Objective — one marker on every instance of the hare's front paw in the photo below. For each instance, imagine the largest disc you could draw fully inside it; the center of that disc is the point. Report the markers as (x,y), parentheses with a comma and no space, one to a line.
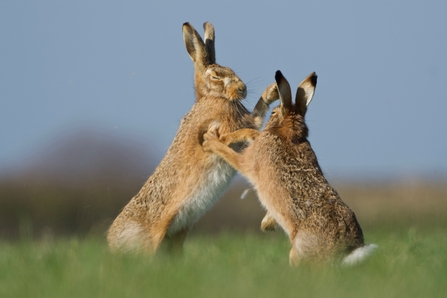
(210,138)
(268,223)
(270,94)
(226,139)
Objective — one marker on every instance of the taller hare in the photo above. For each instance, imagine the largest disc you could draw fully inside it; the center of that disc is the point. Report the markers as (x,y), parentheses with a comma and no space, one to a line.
(188,180)
(284,170)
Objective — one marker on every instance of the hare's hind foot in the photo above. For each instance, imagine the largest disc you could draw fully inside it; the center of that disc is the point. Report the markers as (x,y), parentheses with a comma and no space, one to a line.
(132,237)
(307,247)
(295,257)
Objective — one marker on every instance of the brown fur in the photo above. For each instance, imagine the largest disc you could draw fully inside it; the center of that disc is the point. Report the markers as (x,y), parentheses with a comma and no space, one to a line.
(283,168)
(189,180)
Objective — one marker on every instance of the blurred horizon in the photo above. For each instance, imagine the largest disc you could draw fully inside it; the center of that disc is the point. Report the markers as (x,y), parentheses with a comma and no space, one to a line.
(78,183)
(56,153)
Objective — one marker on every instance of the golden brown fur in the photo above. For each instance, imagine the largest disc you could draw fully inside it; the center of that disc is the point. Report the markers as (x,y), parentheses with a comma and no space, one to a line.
(189,180)
(283,168)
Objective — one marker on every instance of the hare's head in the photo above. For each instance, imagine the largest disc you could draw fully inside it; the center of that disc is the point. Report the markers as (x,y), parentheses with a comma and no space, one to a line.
(287,119)
(211,79)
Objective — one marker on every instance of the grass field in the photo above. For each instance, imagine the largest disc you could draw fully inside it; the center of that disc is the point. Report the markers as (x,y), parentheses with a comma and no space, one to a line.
(410,262)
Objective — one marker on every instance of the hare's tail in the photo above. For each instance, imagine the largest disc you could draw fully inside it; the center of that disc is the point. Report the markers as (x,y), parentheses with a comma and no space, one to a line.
(359,254)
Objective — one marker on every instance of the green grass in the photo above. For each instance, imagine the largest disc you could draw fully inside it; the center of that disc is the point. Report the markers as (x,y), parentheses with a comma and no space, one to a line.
(408,263)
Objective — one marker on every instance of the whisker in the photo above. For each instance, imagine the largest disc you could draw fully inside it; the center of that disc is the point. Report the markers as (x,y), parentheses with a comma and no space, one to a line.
(254,81)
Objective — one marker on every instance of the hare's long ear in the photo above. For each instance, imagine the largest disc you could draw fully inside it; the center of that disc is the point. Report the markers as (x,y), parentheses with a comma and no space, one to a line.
(195,47)
(305,93)
(285,94)
(209,42)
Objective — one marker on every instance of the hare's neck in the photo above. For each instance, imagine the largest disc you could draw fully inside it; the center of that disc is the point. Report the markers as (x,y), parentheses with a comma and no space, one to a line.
(204,94)
(201,93)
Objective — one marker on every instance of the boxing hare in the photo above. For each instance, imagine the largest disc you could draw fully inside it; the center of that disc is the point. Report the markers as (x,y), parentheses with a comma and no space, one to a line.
(284,170)
(189,180)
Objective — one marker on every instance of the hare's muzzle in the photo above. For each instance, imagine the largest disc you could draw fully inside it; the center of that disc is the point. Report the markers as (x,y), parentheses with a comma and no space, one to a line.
(243,91)
(240,90)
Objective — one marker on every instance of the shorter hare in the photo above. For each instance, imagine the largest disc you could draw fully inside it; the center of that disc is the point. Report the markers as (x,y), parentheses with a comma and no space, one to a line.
(284,170)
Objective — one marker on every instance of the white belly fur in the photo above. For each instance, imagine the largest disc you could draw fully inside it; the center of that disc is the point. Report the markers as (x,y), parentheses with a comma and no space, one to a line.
(206,195)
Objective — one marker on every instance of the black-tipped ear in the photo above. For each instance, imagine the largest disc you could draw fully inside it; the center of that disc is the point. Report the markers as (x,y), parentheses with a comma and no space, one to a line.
(285,94)
(305,93)
(188,37)
(209,42)
(195,46)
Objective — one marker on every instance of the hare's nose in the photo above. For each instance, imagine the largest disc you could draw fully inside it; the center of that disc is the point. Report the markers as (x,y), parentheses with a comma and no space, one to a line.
(242,90)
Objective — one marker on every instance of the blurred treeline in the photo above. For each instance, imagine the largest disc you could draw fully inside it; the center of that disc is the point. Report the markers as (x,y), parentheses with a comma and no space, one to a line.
(79,183)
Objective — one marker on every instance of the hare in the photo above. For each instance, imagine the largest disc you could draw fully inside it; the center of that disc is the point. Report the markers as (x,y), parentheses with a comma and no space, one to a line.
(188,180)
(284,170)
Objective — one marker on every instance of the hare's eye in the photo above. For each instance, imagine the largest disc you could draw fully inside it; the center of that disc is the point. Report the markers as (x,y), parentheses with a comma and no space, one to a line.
(212,74)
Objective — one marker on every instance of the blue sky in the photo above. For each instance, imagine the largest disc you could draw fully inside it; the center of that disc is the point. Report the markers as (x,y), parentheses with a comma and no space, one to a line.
(121,67)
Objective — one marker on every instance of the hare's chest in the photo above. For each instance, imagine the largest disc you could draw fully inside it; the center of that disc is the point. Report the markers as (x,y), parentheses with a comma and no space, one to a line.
(210,187)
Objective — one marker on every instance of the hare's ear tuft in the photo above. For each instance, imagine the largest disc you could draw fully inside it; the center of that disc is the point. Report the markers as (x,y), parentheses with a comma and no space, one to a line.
(195,46)
(305,93)
(209,42)
(285,94)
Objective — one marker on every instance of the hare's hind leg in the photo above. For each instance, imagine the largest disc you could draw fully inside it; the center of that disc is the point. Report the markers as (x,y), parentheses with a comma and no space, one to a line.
(305,246)
(129,236)
(299,250)
(295,257)
(159,229)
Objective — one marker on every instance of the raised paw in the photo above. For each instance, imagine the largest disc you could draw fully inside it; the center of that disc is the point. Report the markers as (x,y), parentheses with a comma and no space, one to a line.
(226,139)
(210,138)
(270,94)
